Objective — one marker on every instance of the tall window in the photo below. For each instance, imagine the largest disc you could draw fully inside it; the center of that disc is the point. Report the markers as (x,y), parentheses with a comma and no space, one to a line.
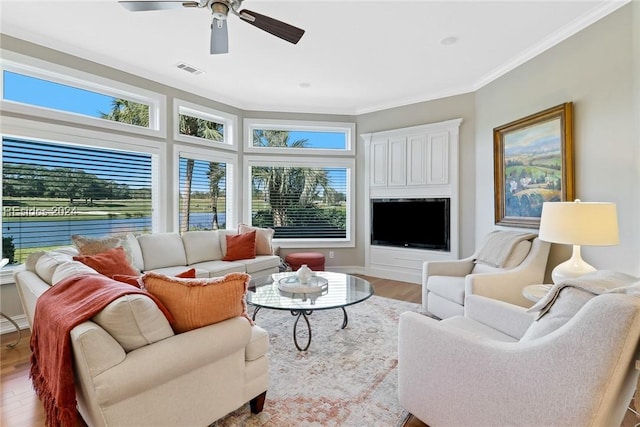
(203,195)
(54,190)
(302,181)
(300,201)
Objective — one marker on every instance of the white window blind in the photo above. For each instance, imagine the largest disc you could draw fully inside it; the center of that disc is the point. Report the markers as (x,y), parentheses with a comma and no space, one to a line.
(53,190)
(202,194)
(300,202)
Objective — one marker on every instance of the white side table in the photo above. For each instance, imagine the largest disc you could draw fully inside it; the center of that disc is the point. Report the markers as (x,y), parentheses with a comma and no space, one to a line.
(535,292)
(4,262)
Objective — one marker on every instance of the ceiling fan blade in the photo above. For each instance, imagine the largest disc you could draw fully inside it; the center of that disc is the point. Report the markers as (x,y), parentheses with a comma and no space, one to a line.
(143,6)
(270,25)
(219,36)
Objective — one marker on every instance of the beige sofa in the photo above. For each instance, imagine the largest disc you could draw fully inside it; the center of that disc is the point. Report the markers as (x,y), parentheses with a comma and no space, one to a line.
(130,367)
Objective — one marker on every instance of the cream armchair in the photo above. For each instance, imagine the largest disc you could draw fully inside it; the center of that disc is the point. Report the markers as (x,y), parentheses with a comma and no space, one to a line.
(445,284)
(473,370)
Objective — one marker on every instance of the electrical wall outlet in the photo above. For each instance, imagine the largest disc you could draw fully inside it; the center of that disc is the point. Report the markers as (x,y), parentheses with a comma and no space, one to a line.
(331,254)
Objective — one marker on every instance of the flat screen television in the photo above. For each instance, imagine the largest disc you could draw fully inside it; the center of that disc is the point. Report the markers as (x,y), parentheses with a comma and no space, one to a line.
(411,223)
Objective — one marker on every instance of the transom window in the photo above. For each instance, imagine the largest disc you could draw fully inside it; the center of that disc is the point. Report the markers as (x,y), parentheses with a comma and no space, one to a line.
(201,125)
(51,91)
(315,138)
(48,94)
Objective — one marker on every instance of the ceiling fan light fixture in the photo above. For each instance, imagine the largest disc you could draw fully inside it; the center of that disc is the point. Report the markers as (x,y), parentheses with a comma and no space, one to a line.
(219,11)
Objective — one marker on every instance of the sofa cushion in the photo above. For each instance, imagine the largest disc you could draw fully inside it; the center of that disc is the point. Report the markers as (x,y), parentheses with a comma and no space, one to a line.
(259,263)
(477,328)
(114,261)
(202,246)
(71,268)
(48,262)
(220,268)
(134,321)
(162,250)
(264,237)
(199,302)
(240,246)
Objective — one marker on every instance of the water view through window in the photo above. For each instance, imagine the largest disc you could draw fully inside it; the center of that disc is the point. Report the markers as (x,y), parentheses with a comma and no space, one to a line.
(52,191)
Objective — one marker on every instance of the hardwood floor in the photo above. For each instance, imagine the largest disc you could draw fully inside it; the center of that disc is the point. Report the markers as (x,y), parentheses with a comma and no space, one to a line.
(20,407)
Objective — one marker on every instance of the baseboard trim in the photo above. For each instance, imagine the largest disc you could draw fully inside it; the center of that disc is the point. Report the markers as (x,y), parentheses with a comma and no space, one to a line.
(6,326)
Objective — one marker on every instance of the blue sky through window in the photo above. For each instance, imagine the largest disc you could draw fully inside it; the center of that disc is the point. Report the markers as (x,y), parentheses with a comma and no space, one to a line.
(320,139)
(43,93)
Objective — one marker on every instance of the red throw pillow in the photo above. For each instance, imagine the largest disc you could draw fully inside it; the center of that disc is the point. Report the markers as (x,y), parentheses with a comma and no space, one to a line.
(135,280)
(240,246)
(111,262)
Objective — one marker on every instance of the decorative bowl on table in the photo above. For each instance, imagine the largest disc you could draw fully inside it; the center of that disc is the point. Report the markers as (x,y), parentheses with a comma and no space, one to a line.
(292,284)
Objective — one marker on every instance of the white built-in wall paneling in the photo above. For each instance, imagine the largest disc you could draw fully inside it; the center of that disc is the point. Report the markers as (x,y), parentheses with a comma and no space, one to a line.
(416,162)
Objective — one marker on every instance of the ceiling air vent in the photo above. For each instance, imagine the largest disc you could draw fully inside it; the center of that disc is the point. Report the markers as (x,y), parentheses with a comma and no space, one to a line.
(189,68)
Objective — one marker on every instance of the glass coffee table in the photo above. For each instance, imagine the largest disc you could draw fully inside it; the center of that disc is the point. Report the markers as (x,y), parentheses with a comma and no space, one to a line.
(338,290)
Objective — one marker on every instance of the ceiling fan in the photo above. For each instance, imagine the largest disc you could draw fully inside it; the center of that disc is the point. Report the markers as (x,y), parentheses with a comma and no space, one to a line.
(220,10)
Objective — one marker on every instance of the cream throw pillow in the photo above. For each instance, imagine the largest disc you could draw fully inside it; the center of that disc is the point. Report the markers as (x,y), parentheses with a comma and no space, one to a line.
(264,237)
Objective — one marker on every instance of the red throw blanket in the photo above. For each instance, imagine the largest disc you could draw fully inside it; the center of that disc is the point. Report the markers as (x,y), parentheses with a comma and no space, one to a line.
(58,310)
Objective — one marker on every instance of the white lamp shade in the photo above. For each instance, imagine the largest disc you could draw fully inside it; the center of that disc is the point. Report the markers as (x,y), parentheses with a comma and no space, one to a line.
(579,223)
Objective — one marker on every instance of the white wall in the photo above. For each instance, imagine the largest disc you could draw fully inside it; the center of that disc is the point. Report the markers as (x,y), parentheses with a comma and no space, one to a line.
(598,70)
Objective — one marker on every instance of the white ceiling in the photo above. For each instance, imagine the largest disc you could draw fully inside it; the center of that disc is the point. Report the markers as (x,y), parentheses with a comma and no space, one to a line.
(356,56)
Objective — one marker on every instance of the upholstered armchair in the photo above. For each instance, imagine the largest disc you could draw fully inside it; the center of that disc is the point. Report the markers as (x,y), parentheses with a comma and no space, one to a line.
(500,269)
(497,365)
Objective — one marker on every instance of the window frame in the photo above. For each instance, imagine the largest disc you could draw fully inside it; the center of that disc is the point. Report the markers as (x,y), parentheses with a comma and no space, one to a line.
(39,69)
(20,128)
(251,161)
(229,121)
(208,155)
(251,124)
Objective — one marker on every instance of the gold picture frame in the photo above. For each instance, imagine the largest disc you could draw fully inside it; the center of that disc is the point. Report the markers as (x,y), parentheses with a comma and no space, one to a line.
(533,164)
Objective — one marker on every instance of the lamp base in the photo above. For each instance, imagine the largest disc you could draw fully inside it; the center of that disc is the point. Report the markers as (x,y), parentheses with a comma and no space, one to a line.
(571,268)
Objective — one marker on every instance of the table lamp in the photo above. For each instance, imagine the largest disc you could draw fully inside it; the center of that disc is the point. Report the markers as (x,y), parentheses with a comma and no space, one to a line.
(578,223)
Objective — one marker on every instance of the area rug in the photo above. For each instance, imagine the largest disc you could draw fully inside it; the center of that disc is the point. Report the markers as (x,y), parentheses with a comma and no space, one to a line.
(347,377)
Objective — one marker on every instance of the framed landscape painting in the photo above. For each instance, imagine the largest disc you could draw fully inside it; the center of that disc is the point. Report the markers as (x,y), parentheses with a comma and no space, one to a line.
(533,164)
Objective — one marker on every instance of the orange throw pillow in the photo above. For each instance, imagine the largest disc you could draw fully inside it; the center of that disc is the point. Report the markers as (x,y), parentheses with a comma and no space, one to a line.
(135,280)
(109,263)
(240,246)
(195,303)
